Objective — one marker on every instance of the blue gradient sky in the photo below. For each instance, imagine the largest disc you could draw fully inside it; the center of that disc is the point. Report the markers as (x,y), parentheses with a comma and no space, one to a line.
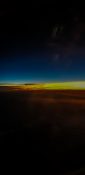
(40,68)
(44,43)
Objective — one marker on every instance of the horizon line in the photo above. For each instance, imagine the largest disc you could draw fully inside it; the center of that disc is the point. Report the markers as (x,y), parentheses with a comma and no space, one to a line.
(46,82)
(47,85)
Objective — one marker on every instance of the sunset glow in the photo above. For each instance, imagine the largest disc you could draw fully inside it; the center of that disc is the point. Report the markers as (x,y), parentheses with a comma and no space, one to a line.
(53,86)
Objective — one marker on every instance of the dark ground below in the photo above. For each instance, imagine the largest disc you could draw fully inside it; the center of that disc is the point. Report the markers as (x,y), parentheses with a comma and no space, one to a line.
(46,127)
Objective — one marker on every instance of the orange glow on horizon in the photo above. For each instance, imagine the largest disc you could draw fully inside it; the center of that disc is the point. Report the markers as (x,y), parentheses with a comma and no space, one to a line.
(54,86)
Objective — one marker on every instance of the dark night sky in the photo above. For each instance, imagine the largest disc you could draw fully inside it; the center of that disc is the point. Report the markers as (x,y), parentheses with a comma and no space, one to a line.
(42,42)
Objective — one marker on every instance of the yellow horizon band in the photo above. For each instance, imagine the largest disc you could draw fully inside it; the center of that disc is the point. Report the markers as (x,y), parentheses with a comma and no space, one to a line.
(54,86)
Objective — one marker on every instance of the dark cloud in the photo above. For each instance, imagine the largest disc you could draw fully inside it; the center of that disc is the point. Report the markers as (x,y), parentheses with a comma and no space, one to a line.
(67,40)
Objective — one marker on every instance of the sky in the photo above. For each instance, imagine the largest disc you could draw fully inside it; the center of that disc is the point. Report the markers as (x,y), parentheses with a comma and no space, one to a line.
(42,42)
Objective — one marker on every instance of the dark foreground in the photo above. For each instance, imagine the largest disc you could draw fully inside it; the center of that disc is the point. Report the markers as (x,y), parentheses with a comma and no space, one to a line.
(46,127)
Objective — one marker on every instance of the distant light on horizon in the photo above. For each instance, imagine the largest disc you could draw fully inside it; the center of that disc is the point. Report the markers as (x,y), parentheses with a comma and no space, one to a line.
(49,85)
